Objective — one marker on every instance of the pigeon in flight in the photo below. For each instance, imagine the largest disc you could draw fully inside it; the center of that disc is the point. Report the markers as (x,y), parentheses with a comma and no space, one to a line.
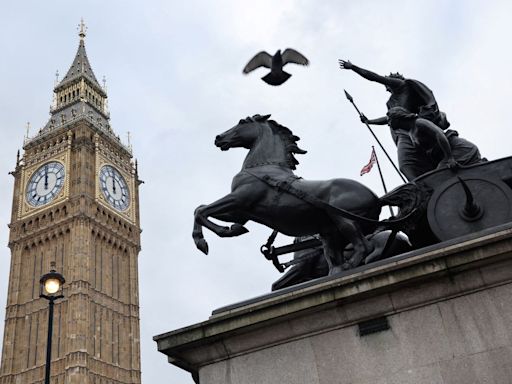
(276,76)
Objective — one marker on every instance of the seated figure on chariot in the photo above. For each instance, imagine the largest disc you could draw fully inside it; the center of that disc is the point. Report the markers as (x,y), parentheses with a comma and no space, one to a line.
(424,121)
(433,148)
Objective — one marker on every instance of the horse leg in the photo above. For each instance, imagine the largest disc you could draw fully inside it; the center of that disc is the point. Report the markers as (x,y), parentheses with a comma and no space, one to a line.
(332,252)
(197,235)
(221,207)
(362,247)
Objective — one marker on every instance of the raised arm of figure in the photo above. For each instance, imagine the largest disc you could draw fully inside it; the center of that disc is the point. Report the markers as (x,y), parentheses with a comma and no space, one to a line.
(369,75)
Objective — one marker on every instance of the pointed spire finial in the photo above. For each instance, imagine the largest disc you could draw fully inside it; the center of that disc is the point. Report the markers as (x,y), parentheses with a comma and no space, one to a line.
(57,77)
(104,80)
(129,139)
(18,158)
(28,129)
(83,29)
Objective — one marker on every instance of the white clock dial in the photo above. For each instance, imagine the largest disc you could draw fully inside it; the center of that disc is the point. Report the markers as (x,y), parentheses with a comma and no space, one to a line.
(45,183)
(114,188)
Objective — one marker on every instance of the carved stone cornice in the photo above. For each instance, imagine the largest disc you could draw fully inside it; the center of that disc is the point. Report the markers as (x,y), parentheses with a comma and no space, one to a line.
(120,229)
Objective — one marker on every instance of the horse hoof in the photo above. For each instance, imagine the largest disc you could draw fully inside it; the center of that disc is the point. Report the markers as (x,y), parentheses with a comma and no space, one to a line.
(335,270)
(202,245)
(237,230)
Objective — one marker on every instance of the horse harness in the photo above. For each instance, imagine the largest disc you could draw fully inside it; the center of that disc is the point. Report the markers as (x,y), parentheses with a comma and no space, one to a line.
(286,185)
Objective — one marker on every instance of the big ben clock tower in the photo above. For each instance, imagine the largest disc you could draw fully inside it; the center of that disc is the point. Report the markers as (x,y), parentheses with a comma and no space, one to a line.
(75,206)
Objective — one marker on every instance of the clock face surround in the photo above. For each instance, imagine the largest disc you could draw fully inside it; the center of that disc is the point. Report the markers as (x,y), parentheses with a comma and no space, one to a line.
(45,183)
(114,188)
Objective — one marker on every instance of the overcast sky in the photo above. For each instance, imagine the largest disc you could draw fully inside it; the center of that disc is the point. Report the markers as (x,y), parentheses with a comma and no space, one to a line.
(174,77)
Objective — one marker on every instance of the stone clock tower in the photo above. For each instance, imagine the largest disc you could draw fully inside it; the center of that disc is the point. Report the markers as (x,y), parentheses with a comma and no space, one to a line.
(75,204)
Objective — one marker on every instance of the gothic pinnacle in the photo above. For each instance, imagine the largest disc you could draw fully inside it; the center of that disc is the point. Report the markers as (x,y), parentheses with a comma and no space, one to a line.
(83,29)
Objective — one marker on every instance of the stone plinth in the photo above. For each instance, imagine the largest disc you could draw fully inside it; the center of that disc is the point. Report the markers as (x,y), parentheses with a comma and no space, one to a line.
(440,315)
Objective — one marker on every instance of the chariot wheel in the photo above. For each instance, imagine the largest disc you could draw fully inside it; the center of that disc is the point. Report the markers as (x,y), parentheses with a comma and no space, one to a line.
(462,206)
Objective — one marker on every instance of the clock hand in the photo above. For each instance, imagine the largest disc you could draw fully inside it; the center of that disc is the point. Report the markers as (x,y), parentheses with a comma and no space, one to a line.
(113,185)
(46,177)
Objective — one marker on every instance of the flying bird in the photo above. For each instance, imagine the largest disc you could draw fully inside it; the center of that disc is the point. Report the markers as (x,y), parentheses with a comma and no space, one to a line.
(276,76)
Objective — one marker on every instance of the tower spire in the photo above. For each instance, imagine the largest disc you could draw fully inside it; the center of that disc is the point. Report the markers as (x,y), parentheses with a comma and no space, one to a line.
(82,30)
(80,68)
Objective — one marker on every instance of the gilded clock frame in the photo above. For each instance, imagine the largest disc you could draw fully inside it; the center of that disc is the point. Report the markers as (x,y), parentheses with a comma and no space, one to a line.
(129,212)
(24,208)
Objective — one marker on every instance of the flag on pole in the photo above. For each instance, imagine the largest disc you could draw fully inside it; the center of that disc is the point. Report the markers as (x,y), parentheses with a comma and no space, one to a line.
(368,167)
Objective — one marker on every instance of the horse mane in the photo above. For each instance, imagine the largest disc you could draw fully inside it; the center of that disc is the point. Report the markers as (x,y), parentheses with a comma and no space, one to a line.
(289,139)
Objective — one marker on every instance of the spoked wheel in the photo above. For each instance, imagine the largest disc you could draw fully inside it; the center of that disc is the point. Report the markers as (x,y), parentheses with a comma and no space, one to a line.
(462,206)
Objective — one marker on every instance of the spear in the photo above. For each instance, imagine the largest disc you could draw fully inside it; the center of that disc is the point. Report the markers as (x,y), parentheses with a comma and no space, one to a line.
(350,98)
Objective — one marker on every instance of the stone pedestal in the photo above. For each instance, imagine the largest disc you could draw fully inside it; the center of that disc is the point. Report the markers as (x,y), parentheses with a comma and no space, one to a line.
(440,315)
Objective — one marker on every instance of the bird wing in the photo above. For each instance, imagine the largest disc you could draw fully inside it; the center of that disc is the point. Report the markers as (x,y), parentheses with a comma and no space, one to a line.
(261,59)
(292,56)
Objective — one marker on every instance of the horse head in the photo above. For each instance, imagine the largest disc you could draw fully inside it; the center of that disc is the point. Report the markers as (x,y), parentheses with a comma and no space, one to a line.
(242,135)
(269,142)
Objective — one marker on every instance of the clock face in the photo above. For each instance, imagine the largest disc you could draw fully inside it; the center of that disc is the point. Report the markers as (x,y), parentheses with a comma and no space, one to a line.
(45,184)
(114,188)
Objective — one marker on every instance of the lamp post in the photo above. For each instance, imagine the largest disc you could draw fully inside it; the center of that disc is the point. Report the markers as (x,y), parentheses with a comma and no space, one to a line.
(50,288)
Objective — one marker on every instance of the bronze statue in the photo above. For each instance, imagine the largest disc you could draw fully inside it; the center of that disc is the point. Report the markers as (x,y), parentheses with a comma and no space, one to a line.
(415,120)
(343,214)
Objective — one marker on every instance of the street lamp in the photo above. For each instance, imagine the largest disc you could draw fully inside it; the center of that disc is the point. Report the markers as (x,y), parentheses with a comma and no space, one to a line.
(50,288)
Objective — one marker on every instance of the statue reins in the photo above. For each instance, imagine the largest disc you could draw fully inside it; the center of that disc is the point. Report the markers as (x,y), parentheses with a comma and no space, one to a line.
(287,186)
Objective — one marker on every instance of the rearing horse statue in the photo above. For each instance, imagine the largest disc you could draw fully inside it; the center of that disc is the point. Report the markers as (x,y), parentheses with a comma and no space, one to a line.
(268,192)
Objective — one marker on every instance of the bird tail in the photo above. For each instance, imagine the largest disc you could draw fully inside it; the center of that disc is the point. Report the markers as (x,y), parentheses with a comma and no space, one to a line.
(276,78)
